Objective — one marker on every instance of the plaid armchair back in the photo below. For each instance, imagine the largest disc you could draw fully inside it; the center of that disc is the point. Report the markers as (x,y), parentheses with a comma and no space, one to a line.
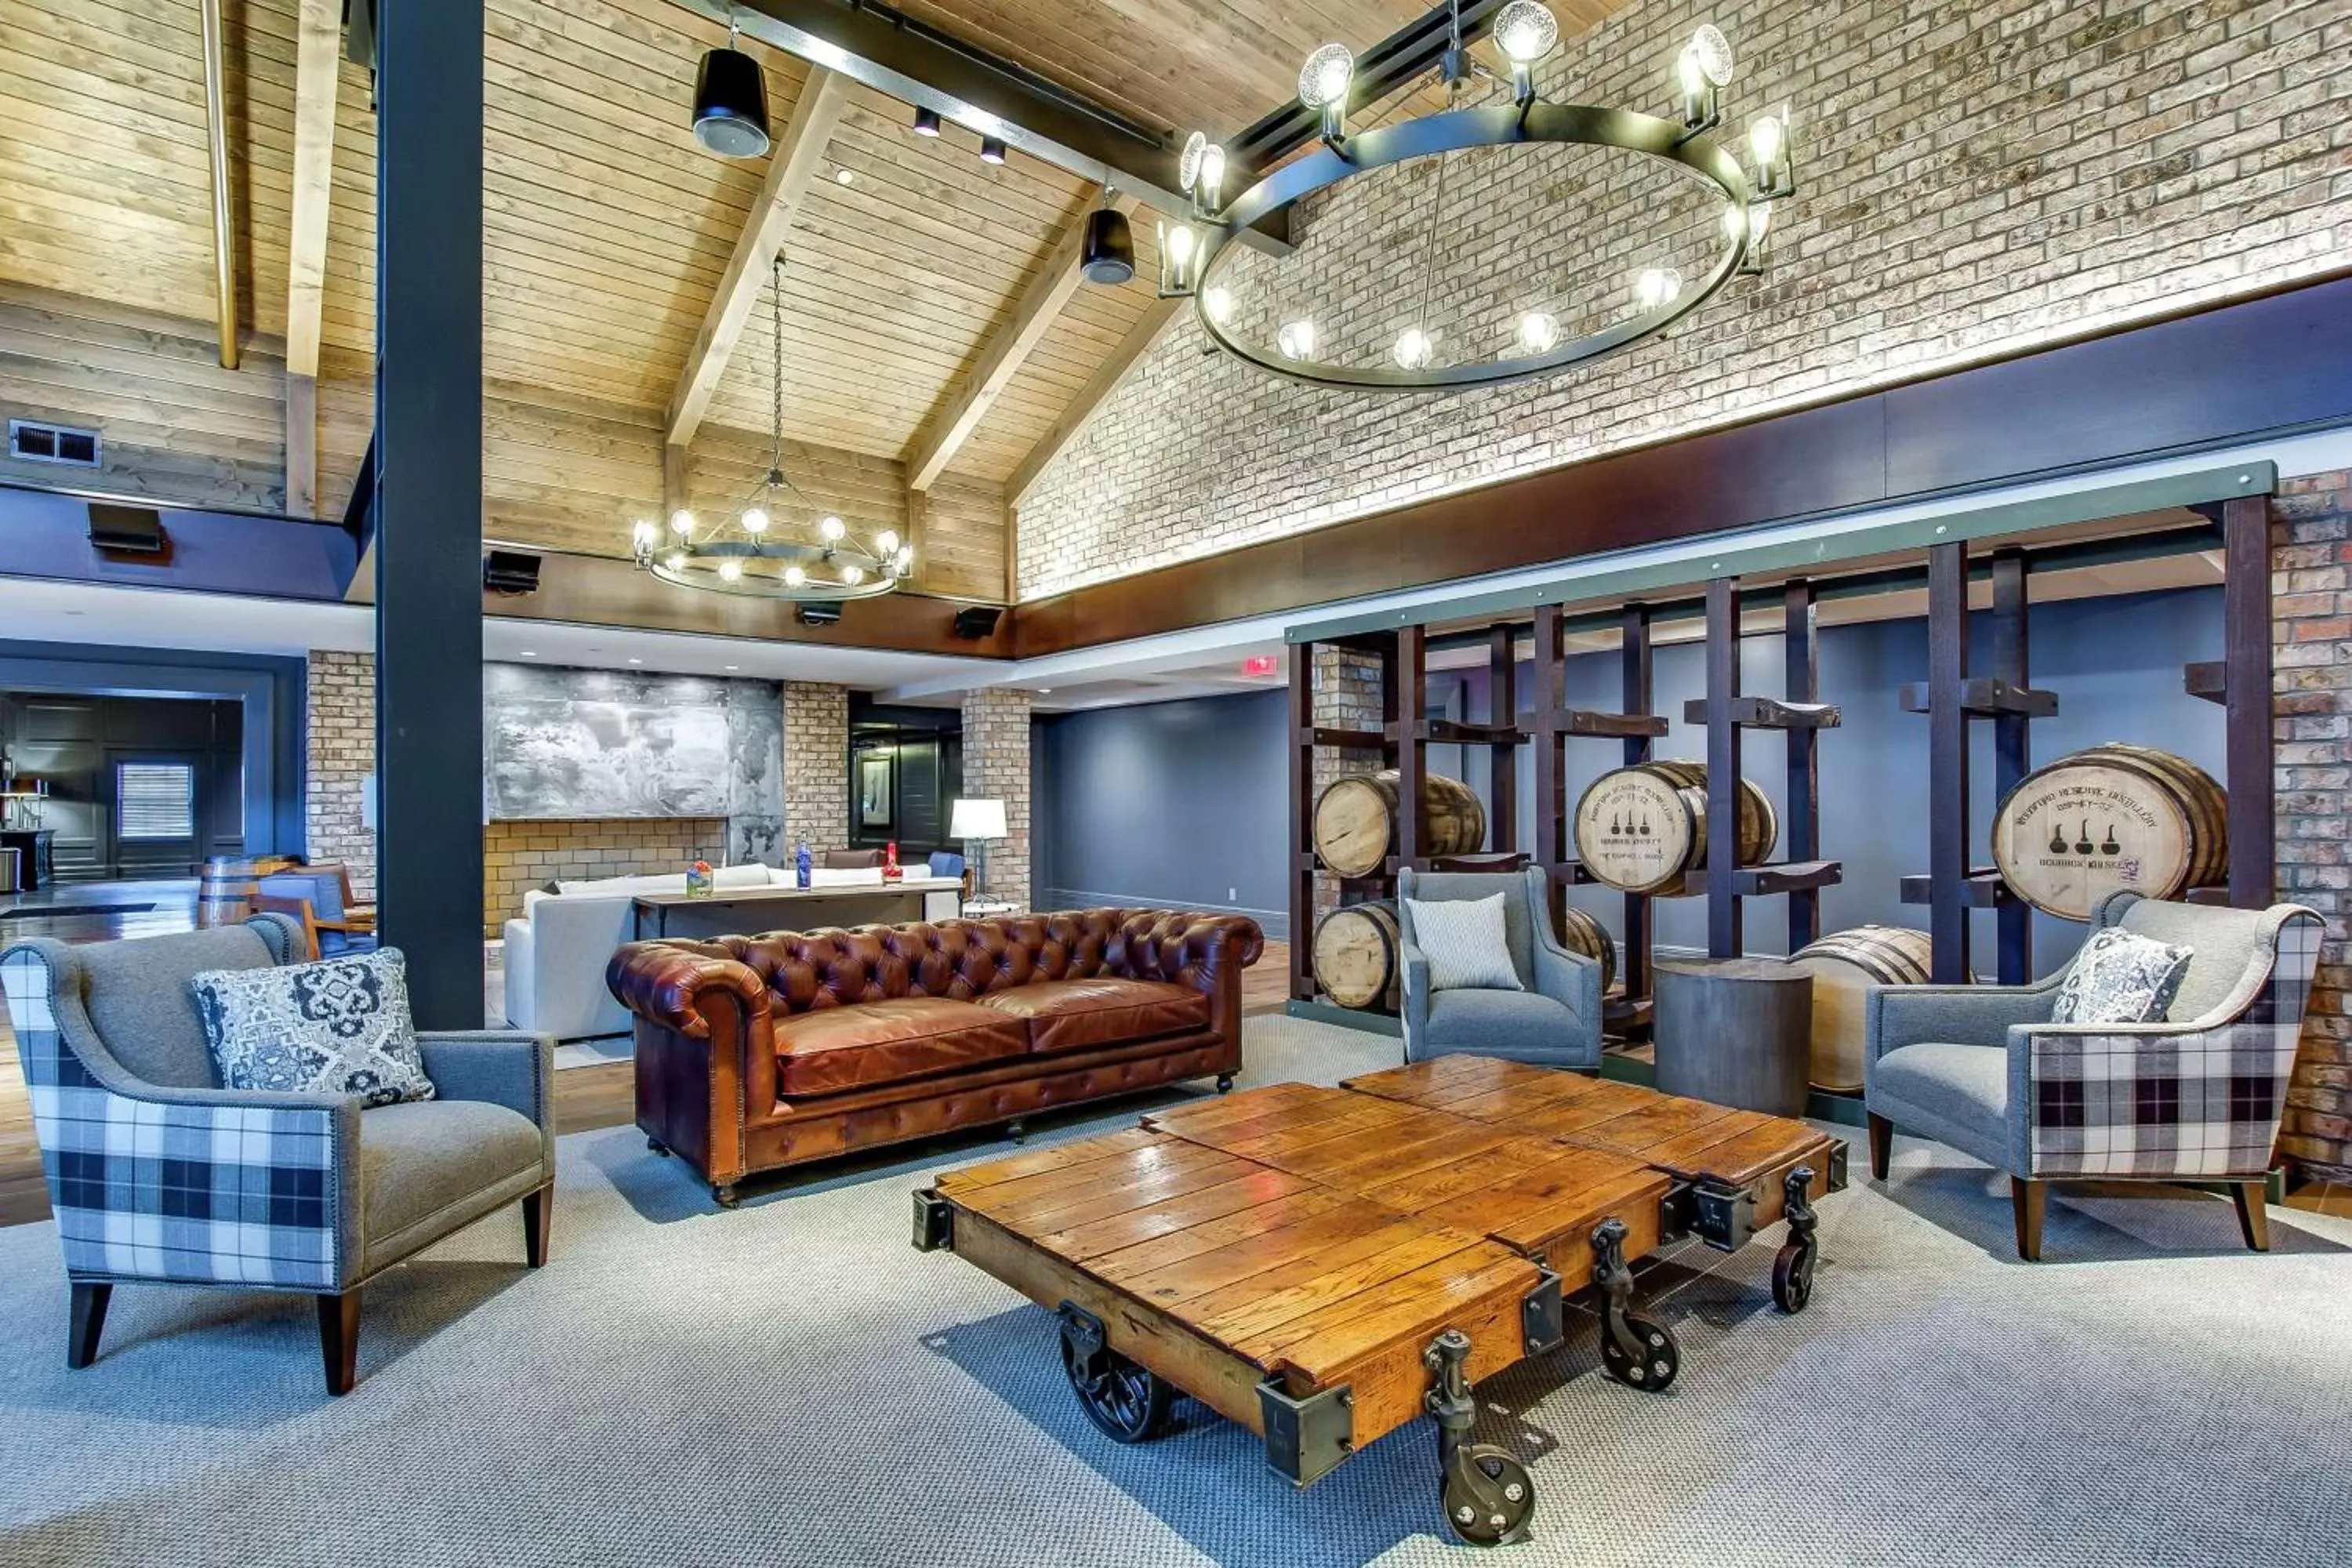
(199,1186)
(2150,1102)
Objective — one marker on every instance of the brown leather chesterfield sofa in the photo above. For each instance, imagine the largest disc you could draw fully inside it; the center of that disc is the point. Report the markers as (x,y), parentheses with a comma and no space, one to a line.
(758,1052)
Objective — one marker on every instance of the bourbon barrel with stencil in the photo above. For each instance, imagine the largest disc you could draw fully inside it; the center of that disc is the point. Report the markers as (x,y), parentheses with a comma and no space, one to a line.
(1580,932)
(2110,818)
(1644,829)
(1844,966)
(1355,820)
(1356,953)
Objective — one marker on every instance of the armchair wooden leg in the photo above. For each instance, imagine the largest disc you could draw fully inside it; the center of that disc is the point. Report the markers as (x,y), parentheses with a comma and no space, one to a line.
(1881,1145)
(538,1215)
(339,1339)
(88,1321)
(2253,1213)
(2027,1201)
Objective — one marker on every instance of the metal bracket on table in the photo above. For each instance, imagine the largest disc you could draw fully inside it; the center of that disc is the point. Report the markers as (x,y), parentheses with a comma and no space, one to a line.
(1542,1320)
(1307,1438)
(934,1221)
(1723,1216)
(1837,1162)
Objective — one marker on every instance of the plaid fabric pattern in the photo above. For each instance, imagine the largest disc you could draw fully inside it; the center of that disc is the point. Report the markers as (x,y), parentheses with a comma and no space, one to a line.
(153,1190)
(2203,1103)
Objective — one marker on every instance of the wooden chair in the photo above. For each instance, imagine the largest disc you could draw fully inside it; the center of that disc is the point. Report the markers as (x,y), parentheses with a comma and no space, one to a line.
(312,897)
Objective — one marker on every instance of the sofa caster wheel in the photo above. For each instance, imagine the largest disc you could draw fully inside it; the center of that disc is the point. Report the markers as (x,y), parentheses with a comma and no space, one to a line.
(725,1196)
(1017,1130)
(1224,1083)
(657,1146)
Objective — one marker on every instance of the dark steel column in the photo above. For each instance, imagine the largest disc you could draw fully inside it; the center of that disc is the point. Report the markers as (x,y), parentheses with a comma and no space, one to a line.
(1801,642)
(429,542)
(1725,930)
(1948,762)
(2246,639)
(2012,745)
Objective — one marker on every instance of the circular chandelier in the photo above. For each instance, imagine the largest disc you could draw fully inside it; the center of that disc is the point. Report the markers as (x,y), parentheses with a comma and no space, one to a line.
(746,553)
(1194,255)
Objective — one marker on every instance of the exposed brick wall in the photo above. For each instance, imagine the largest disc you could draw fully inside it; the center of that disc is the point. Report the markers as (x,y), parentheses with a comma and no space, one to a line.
(2311,608)
(996,767)
(1974,181)
(340,753)
(1347,695)
(519,856)
(816,767)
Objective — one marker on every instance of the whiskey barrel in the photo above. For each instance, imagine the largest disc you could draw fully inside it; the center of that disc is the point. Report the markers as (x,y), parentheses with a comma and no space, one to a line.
(1580,932)
(1355,820)
(1844,966)
(1644,828)
(225,889)
(1356,949)
(2109,817)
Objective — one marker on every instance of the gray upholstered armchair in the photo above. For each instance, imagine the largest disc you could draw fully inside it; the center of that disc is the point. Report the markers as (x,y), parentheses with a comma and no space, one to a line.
(2197,1098)
(157,1173)
(1555,1021)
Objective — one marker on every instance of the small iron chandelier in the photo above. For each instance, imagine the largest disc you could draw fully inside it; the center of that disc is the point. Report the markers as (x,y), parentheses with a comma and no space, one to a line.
(1531,341)
(743,553)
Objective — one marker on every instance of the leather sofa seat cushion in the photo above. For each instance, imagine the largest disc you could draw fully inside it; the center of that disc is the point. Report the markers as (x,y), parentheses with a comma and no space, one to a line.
(1078,1015)
(833,1050)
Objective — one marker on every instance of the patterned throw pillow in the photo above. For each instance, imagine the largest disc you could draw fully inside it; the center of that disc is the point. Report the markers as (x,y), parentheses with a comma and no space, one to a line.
(2120,978)
(1463,940)
(341,1026)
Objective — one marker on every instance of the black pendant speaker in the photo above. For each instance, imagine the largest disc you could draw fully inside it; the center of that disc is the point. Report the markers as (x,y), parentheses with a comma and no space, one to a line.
(1109,254)
(730,105)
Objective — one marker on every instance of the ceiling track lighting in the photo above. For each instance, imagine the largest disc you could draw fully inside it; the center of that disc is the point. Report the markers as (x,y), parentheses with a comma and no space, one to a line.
(926,121)
(991,150)
(1106,254)
(731,102)
(1531,339)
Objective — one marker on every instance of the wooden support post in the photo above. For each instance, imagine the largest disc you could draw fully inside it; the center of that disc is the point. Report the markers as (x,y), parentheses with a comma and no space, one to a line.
(2246,682)
(2013,750)
(1637,693)
(1502,758)
(1803,682)
(1407,700)
(1726,935)
(1947,764)
(1550,848)
(1302,821)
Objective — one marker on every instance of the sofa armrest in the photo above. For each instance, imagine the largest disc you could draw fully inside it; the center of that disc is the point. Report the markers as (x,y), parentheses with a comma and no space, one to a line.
(503,1066)
(1413,967)
(1898,1015)
(676,985)
(1568,978)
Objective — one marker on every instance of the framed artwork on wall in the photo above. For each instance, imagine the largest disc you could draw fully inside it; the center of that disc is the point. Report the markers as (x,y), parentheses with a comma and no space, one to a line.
(874,789)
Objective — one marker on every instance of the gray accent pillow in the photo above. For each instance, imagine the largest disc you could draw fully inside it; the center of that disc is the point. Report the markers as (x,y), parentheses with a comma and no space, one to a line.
(339,1026)
(1465,942)
(2120,978)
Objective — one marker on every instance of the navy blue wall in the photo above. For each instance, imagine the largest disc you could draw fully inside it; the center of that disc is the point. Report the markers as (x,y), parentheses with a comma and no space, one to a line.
(1179,802)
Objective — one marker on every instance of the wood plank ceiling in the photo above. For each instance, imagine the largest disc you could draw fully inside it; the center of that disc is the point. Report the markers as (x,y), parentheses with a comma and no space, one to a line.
(608,231)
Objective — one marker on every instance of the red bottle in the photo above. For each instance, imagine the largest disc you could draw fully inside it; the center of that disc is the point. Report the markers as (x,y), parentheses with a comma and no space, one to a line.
(891,870)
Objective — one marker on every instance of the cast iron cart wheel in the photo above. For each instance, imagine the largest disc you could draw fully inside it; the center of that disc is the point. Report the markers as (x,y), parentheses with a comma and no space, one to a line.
(1660,1359)
(1792,1277)
(1489,1497)
(1127,1401)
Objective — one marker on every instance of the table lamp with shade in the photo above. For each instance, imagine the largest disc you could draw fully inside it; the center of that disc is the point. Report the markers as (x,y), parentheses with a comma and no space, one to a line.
(976,821)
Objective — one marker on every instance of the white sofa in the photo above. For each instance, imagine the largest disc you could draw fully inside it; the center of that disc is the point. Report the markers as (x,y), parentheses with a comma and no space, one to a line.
(556,953)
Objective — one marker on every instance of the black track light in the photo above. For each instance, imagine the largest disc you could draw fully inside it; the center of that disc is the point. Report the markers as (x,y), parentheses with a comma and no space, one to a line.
(926,121)
(731,104)
(991,150)
(1107,256)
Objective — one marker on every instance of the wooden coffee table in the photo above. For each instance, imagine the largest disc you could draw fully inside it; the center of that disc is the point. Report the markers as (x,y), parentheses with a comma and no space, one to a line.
(1324,1265)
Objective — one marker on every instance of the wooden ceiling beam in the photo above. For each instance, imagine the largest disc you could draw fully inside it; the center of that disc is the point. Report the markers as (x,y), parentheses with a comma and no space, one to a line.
(318,51)
(1001,356)
(1107,378)
(793,165)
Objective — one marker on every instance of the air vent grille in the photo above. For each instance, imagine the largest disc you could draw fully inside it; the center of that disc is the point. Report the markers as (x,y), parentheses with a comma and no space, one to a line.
(43,443)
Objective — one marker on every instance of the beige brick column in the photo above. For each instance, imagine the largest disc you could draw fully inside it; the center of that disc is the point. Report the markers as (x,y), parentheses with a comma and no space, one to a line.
(996,767)
(1347,696)
(339,749)
(816,767)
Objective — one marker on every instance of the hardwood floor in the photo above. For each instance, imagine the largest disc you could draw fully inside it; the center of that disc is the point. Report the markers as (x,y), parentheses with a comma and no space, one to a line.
(585,1097)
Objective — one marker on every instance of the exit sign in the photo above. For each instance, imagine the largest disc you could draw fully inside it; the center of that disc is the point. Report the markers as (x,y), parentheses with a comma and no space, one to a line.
(1259,664)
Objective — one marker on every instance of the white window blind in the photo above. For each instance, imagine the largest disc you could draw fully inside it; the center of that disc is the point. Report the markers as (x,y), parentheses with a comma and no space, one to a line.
(155,800)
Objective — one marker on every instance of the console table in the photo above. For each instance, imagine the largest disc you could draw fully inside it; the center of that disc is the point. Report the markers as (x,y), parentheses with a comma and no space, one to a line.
(37,866)
(741,911)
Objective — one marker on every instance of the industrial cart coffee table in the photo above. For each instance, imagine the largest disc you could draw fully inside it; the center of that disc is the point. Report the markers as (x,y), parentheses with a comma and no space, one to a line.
(1324,1265)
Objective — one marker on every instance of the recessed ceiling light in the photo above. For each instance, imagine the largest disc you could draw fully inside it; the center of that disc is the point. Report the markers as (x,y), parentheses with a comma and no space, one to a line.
(528,654)
(636,661)
(1044,691)
(734,667)
(844,177)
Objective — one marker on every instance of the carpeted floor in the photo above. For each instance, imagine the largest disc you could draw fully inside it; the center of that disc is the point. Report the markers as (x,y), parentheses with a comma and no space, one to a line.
(792,1385)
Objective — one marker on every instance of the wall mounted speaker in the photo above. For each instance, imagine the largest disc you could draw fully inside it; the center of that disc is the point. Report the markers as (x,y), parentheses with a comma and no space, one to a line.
(133,531)
(511,572)
(820,612)
(978,622)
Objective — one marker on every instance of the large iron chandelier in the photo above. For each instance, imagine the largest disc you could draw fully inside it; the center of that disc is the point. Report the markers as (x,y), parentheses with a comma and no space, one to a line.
(744,552)
(1194,255)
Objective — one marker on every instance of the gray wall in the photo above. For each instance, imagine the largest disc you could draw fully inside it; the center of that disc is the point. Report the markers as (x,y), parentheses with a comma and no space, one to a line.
(1180,802)
(1166,803)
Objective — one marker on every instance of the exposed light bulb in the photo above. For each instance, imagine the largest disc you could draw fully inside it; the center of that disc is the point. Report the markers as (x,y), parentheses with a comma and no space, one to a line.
(906,556)
(675,562)
(844,177)
(1539,332)
(1181,241)
(1297,339)
(1712,51)
(1414,349)
(794,576)
(1213,171)
(1219,302)
(1658,286)
(1689,74)
(642,534)
(1325,77)
(681,521)
(755,521)
(1734,224)
(1759,218)
(832,527)
(730,570)
(1765,138)
(1525,31)
(853,575)
(887,540)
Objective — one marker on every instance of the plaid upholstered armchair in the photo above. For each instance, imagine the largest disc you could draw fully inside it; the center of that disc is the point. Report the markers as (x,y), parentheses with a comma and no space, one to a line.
(2196,1099)
(157,1174)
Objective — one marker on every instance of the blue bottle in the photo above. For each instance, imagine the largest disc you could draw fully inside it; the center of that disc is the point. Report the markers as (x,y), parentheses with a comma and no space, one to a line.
(801,863)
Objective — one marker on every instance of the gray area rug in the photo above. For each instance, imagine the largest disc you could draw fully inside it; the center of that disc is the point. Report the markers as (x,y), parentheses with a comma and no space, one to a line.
(791,1383)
